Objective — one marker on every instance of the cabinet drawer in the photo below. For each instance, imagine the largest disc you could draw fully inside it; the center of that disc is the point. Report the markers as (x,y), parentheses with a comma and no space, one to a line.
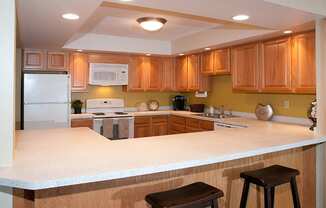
(192,123)
(207,125)
(159,119)
(75,123)
(143,120)
(178,120)
(177,127)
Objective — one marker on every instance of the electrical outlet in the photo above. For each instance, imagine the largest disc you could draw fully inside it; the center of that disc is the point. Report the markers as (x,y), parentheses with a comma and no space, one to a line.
(286,104)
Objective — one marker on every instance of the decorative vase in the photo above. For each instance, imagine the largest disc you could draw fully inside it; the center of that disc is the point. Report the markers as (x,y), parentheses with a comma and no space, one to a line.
(312,114)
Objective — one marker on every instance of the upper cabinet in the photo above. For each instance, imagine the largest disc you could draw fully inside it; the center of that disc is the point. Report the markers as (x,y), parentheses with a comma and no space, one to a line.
(181,73)
(193,72)
(276,65)
(79,72)
(137,70)
(188,76)
(34,59)
(168,74)
(284,65)
(303,63)
(154,74)
(57,60)
(216,62)
(245,74)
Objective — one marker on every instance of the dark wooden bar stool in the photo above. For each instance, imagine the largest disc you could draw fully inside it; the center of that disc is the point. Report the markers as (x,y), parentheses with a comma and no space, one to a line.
(196,195)
(269,178)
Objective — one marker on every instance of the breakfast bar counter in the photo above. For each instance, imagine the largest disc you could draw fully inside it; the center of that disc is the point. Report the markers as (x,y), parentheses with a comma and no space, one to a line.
(79,168)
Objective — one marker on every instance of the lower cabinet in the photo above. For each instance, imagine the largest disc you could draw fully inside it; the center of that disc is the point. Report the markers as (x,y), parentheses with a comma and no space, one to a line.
(75,123)
(146,126)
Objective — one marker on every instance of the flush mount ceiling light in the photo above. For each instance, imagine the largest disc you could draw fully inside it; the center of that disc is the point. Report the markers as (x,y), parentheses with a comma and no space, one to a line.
(240,17)
(151,23)
(70,16)
(287,31)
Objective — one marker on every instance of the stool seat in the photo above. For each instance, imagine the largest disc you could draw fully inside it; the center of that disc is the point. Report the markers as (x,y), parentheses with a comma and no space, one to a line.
(199,194)
(271,176)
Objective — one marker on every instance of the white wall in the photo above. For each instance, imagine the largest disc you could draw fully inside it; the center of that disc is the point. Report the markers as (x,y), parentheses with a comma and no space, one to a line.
(321,100)
(7,90)
(119,44)
(312,6)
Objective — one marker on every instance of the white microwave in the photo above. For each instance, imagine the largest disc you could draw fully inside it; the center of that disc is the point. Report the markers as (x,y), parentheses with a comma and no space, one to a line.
(108,74)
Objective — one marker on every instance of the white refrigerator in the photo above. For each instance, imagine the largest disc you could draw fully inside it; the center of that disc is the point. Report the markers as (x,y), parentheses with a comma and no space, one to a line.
(46,100)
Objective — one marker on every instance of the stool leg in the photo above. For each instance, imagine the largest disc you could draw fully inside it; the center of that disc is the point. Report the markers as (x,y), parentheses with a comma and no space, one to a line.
(215,203)
(273,196)
(295,194)
(268,197)
(244,196)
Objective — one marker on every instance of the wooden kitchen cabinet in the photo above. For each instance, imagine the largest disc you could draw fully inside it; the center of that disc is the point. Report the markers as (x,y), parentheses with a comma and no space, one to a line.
(276,65)
(222,61)
(75,123)
(154,73)
(79,68)
(34,59)
(159,125)
(168,74)
(216,62)
(143,127)
(193,72)
(136,74)
(181,73)
(177,125)
(245,65)
(57,60)
(303,63)
(146,126)
(207,63)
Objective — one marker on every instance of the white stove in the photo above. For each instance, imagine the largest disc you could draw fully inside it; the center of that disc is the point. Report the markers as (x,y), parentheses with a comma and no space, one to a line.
(112,110)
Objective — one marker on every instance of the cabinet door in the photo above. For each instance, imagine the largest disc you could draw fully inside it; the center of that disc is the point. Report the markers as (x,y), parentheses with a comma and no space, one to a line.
(245,67)
(75,123)
(276,65)
(33,59)
(159,129)
(207,60)
(79,72)
(154,73)
(303,63)
(168,75)
(193,73)
(57,61)
(137,67)
(222,61)
(142,127)
(181,73)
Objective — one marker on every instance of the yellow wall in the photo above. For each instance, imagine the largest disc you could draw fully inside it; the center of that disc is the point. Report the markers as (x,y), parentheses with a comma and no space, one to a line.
(131,98)
(222,95)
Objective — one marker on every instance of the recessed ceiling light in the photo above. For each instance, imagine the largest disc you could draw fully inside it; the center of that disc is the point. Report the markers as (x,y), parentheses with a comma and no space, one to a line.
(148,54)
(240,17)
(151,23)
(80,50)
(287,31)
(207,49)
(70,16)
(181,54)
(126,0)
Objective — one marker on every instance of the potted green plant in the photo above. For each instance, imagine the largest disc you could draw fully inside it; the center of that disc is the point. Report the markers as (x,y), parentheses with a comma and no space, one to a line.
(77,106)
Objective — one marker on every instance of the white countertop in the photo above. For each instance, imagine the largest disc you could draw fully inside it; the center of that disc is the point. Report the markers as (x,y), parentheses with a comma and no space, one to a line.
(62,157)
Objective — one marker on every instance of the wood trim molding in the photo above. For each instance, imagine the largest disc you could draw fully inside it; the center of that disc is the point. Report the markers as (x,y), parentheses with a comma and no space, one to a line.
(228,24)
